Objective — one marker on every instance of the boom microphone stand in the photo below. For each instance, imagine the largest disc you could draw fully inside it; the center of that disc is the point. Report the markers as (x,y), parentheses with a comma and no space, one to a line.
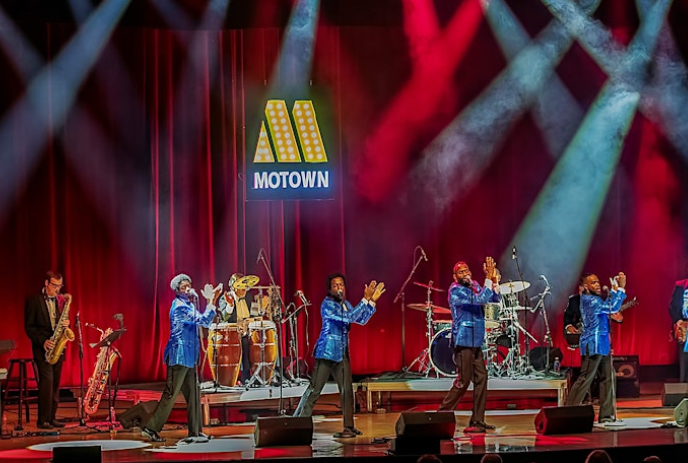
(401,295)
(514,257)
(82,418)
(277,314)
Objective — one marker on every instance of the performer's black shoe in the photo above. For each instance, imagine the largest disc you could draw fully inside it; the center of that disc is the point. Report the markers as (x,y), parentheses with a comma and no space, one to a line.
(151,435)
(345,434)
(482,424)
(607,419)
(57,424)
(354,430)
(44,425)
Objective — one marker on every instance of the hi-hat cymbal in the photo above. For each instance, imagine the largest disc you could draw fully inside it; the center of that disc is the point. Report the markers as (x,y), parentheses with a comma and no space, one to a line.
(430,286)
(424,306)
(246,282)
(513,286)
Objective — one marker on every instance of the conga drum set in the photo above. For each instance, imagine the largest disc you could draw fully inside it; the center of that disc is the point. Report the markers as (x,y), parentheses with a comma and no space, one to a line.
(502,349)
(225,349)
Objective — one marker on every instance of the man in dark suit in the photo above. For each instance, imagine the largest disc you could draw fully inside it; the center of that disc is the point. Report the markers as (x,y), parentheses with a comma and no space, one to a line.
(41,314)
(679,321)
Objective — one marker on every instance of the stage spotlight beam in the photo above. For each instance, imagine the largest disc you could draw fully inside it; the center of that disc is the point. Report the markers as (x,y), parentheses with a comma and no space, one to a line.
(43,109)
(557,232)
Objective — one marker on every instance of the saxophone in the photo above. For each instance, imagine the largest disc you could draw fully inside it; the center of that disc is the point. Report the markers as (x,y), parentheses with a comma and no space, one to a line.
(98,381)
(61,334)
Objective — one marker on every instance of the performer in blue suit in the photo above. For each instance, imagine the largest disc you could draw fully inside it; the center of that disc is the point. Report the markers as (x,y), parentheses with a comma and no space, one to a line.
(595,343)
(332,347)
(181,354)
(466,299)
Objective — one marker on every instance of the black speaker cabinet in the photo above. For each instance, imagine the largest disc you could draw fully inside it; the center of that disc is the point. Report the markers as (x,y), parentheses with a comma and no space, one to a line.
(681,413)
(138,415)
(565,420)
(275,431)
(421,432)
(82,454)
(435,425)
(538,357)
(674,393)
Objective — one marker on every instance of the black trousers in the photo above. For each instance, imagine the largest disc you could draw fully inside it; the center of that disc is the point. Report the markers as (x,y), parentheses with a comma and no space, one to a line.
(682,364)
(590,365)
(48,386)
(179,379)
(470,366)
(341,371)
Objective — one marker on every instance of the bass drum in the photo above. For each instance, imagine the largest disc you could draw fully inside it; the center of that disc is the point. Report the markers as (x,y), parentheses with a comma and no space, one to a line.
(442,353)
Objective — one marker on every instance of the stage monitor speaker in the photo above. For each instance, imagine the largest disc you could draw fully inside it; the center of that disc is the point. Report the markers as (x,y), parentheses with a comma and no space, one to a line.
(436,425)
(138,415)
(538,357)
(275,431)
(674,393)
(565,420)
(681,413)
(82,454)
(421,432)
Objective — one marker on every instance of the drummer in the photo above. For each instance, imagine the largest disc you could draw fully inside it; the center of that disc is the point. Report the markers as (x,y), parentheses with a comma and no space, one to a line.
(232,308)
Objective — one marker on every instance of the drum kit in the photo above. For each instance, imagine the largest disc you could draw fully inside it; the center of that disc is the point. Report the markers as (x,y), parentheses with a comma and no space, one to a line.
(224,339)
(502,349)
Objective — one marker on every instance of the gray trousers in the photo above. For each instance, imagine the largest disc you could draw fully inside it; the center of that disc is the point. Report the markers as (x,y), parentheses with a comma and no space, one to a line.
(179,378)
(341,371)
(602,365)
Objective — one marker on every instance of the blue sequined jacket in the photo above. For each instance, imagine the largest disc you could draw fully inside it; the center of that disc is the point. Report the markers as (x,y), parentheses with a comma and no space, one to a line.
(468,315)
(184,345)
(685,312)
(594,310)
(336,321)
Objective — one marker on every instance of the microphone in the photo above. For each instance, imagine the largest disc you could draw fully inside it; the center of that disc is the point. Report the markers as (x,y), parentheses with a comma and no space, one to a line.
(91,325)
(302,296)
(260,254)
(513,253)
(422,252)
(340,293)
(192,293)
(544,278)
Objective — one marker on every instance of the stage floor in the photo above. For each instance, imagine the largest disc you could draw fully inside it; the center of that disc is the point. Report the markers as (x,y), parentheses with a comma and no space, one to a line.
(515,439)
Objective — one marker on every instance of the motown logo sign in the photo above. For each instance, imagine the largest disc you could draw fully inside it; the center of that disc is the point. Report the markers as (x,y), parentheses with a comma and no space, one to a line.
(290,161)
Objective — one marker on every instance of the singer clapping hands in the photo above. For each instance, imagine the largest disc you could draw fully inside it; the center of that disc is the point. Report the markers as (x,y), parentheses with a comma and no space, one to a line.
(491,272)
(373,291)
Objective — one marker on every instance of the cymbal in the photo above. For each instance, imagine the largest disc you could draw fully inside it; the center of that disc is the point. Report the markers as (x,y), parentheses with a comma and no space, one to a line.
(246,282)
(430,287)
(513,286)
(425,307)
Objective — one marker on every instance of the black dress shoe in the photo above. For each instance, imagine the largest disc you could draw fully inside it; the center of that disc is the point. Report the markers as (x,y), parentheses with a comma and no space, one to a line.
(151,435)
(345,434)
(57,424)
(354,430)
(44,425)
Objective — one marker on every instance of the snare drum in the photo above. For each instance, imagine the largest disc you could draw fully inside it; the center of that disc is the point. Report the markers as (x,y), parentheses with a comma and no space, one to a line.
(224,352)
(263,348)
(492,314)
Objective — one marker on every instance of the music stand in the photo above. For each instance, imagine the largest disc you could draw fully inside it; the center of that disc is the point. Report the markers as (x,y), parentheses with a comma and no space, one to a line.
(107,342)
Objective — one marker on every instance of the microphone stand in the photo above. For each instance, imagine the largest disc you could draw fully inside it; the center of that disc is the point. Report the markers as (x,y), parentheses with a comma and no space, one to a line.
(548,333)
(82,419)
(525,314)
(401,295)
(277,314)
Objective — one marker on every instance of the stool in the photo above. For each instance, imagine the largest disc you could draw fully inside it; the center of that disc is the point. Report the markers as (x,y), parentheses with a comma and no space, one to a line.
(18,373)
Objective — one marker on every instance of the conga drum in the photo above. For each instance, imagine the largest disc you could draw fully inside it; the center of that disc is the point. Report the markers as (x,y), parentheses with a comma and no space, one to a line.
(263,353)
(224,352)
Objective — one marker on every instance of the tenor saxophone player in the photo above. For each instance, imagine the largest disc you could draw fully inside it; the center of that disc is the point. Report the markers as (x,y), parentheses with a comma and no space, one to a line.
(41,318)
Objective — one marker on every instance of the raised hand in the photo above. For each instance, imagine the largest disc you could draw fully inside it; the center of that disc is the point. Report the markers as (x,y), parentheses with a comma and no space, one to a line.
(490,269)
(211,294)
(379,289)
(621,279)
(371,292)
